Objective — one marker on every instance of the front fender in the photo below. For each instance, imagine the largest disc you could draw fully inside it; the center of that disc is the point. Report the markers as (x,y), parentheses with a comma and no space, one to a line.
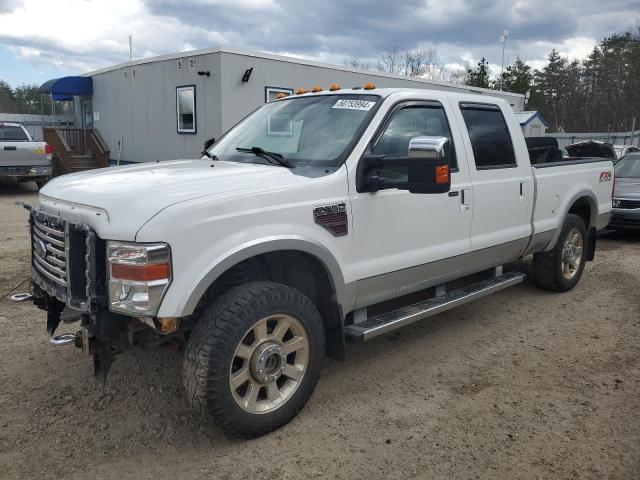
(345,293)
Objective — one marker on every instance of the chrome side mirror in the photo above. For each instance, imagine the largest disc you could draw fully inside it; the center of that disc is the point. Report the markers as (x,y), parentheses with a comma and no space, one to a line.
(429,147)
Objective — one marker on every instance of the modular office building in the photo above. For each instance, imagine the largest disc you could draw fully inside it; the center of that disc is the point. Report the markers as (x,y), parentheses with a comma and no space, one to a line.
(166,107)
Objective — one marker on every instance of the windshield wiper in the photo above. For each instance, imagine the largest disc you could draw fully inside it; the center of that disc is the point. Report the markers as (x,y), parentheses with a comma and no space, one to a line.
(272,157)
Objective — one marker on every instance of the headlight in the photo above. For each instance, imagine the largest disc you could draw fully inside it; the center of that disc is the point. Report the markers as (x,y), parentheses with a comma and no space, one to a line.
(139,275)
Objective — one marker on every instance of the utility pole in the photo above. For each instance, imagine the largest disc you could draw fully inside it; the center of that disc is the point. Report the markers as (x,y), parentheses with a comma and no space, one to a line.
(131,48)
(503,40)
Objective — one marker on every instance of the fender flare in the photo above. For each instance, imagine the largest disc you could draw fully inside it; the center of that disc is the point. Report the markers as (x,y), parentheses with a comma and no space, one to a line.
(345,294)
(575,197)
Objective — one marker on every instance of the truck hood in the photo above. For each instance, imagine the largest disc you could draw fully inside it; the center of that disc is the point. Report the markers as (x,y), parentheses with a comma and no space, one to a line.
(627,188)
(119,200)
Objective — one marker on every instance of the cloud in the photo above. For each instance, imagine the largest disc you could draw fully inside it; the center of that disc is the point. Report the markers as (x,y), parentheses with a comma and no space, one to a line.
(81,35)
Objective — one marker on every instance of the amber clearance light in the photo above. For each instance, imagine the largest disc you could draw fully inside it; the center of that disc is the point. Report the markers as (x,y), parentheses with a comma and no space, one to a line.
(442,174)
(141,273)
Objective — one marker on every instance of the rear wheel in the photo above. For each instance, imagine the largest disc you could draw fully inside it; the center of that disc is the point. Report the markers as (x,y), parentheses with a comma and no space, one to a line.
(560,269)
(254,358)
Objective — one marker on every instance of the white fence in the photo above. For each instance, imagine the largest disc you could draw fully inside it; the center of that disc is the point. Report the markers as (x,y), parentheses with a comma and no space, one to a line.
(615,138)
(34,123)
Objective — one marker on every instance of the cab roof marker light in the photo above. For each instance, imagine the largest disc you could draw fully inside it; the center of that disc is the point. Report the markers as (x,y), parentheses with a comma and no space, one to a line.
(333,87)
(300,91)
(316,89)
(369,86)
(280,95)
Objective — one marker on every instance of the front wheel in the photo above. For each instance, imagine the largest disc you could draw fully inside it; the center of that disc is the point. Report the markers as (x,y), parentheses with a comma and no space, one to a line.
(254,358)
(560,269)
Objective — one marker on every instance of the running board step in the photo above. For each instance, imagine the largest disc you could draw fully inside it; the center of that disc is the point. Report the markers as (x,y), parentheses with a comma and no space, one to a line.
(387,322)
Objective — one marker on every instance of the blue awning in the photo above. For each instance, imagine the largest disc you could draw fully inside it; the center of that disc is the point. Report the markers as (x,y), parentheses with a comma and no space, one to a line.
(66,87)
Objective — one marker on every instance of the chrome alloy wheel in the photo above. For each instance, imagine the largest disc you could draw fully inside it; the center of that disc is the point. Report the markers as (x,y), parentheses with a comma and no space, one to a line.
(572,254)
(269,363)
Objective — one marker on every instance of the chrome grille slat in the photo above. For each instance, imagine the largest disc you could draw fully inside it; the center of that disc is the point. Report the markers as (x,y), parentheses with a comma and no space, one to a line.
(61,262)
(48,229)
(52,268)
(47,238)
(49,249)
(55,251)
(50,276)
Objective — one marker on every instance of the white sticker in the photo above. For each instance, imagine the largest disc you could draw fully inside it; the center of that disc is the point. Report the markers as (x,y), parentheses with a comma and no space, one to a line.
(354,104)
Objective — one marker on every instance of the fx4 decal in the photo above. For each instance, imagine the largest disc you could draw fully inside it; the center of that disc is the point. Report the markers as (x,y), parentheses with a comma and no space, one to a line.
(605,176)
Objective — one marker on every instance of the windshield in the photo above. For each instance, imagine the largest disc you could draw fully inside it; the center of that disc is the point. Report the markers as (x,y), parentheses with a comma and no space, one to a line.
(628,167)
(314,130)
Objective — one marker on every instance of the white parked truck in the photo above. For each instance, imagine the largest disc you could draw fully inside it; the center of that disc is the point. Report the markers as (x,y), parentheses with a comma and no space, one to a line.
(22,158)
(308,224)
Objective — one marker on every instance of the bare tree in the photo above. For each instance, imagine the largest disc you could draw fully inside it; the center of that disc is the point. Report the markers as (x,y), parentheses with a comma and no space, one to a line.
(416,62)
(355,62)
(391,61)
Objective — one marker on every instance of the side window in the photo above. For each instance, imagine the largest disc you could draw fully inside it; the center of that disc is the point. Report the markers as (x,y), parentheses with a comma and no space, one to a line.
(407,123)
(489,135)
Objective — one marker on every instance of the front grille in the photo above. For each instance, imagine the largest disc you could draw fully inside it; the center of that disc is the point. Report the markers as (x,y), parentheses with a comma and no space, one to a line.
(50,250)
(626,204)
(67,260)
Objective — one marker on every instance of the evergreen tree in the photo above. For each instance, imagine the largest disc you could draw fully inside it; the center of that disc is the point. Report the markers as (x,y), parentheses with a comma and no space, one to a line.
(7,98)
(516,78)
(478,76)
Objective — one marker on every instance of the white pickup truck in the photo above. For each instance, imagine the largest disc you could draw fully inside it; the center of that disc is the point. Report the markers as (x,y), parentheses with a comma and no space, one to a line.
(295,231)
(22,158)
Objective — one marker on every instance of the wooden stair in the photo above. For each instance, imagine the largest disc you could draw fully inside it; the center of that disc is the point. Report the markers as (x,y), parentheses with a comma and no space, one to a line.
(76,150)
(78,163)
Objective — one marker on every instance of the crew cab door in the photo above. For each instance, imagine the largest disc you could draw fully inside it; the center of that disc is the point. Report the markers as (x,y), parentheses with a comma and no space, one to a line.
(502,182)
(409,241)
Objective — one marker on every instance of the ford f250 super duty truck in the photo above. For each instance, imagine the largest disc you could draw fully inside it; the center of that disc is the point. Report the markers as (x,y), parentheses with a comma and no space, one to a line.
(21,158)
(306,225)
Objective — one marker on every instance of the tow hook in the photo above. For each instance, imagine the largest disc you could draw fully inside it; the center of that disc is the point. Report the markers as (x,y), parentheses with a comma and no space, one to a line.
(21,297)
(62,339)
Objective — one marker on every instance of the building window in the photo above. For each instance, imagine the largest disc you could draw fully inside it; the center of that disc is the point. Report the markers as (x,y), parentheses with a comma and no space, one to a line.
(192,63)
(271,92)
(186,108)
(179,64)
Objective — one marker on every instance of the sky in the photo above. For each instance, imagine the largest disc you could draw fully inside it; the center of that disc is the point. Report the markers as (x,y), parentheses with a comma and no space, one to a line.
(43,39)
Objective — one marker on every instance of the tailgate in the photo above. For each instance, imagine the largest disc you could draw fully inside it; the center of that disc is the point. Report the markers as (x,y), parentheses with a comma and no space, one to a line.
(22,154)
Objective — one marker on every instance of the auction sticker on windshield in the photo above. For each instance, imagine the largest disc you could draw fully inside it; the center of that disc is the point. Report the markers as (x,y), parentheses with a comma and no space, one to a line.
(354,104)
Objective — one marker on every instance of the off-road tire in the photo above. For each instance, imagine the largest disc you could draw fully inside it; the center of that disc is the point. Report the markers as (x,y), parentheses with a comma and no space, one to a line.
(210,350)
(547,266)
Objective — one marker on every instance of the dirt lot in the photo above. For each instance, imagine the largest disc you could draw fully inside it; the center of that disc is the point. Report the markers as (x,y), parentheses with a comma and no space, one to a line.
(522,384)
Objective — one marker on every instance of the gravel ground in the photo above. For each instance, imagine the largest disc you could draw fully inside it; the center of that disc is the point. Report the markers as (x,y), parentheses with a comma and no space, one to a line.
(521,384)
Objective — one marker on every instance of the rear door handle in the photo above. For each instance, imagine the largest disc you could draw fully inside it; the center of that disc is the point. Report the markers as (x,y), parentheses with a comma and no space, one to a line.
(454,194)
(466,196)
(11,148)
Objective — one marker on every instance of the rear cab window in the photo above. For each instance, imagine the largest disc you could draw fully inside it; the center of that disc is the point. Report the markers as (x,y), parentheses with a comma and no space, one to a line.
(12,133)
(489,135)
